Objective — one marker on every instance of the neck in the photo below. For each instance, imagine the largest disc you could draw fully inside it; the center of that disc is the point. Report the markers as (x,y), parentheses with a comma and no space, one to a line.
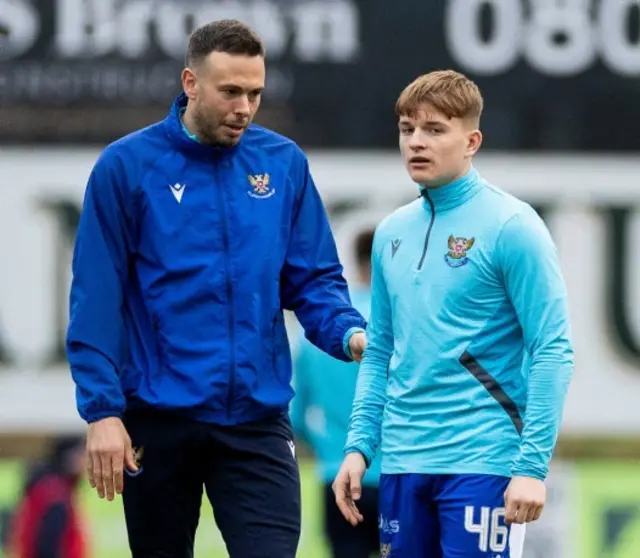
(188,120)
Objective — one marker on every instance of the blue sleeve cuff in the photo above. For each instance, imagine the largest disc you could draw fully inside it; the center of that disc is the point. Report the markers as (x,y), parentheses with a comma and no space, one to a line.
(347,338)
(92,417)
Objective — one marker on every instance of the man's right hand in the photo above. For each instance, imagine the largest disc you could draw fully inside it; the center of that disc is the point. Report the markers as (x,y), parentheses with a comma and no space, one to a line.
(109,451)
(348,486)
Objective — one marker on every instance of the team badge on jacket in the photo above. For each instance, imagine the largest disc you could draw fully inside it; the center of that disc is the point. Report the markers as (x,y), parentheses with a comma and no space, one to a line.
(458,248)
(260,185)
(385,550)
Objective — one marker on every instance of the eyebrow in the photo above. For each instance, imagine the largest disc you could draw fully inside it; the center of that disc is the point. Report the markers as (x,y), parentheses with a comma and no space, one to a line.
(236,86)
(426,123)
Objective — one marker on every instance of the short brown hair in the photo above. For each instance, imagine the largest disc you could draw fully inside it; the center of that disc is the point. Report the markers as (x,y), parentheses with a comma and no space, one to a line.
(449,92)
(225,35)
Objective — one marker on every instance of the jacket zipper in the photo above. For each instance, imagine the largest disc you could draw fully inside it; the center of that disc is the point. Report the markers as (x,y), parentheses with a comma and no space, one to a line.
(428,235)
(225,239)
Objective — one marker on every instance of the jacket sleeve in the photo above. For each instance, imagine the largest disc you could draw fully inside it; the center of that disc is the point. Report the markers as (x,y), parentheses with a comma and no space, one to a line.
(312,281)
(533,279)
(95,336)
(364,431)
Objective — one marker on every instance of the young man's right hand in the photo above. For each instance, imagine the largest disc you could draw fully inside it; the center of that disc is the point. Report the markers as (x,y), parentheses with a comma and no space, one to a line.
(109,451)
(348,486)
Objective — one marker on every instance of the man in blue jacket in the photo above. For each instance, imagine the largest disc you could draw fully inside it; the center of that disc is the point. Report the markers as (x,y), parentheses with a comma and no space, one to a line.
(470,353)
(196,232)
(320,413)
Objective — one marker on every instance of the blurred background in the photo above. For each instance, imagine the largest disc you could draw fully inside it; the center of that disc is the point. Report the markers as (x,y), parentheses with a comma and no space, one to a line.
(561,80)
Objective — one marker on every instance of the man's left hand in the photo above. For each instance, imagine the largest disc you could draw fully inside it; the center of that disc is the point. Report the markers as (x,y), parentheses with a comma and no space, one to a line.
(524,500)
(357,344)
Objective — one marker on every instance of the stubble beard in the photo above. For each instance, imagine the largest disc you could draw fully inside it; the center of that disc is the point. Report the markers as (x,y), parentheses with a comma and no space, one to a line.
(206,131)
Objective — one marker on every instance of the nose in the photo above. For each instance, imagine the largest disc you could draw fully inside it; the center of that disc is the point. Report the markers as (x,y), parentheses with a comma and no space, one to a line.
(242,107)
(417,141)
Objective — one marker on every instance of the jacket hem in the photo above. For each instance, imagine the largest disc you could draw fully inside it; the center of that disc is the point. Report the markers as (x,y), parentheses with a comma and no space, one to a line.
(219,417)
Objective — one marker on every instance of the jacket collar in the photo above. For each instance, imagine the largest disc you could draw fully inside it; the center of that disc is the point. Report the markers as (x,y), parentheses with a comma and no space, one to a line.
(454,193)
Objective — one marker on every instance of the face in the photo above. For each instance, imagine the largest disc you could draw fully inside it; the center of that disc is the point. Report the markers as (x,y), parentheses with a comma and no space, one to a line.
(224,93)
(437,149)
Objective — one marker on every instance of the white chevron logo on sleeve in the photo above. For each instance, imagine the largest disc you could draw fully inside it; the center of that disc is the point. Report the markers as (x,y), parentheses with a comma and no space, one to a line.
(177,190)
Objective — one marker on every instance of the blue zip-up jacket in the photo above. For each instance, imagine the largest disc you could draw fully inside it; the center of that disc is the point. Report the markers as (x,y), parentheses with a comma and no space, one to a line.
(320,411)
(469,354)
(185,257)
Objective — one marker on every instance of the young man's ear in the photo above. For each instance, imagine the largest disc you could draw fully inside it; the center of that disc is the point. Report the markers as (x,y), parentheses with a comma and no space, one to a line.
(474,142)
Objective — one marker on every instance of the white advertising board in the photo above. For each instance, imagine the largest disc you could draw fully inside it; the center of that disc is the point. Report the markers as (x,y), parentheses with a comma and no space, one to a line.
(589,203)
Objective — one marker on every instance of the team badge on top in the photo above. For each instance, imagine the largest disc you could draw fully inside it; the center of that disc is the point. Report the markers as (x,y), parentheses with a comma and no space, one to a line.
(458,248)
(260,185)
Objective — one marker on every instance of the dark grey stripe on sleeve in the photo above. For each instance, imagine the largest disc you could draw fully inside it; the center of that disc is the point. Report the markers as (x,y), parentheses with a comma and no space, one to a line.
(493,387)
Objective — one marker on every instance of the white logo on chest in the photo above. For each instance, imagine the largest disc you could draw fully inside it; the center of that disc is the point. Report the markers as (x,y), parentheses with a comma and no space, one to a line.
(177,190)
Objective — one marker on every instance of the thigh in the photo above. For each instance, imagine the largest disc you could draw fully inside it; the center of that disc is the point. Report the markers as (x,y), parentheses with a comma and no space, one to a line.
(471,512)
(344,540)
(162,501)
(408,521)
(253,485)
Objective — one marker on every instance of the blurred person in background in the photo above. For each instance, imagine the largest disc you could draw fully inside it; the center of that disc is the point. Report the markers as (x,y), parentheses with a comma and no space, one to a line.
(47,521)
(320,413)
(196,233)
(464,379)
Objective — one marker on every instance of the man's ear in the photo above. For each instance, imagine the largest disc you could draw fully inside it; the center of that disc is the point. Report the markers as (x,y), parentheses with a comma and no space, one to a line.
(189,83)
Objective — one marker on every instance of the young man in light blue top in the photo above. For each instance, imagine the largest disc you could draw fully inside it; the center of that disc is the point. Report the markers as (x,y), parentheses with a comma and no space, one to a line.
(320,411)
(469,353)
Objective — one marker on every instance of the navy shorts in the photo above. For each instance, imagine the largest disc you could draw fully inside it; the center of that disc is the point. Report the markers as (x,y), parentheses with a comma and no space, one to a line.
(446,516)
(249,472)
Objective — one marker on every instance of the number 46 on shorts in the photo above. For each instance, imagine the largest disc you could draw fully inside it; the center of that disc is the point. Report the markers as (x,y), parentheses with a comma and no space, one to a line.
(488,523)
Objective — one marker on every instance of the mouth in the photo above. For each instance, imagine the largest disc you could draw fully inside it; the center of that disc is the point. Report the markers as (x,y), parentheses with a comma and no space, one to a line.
(418,161)
(235,129)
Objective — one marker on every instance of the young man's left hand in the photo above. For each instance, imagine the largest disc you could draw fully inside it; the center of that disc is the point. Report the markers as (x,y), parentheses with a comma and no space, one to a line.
(524,500)
(357,344)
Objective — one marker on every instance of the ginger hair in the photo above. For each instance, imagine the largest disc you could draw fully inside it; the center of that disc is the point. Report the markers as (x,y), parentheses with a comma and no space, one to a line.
(447,91)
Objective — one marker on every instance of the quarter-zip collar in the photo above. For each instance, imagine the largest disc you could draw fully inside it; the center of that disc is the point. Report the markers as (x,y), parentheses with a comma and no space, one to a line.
(452,194)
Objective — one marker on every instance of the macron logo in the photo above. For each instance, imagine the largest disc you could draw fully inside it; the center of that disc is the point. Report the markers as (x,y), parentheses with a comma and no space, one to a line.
(177,190)
(395,244)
